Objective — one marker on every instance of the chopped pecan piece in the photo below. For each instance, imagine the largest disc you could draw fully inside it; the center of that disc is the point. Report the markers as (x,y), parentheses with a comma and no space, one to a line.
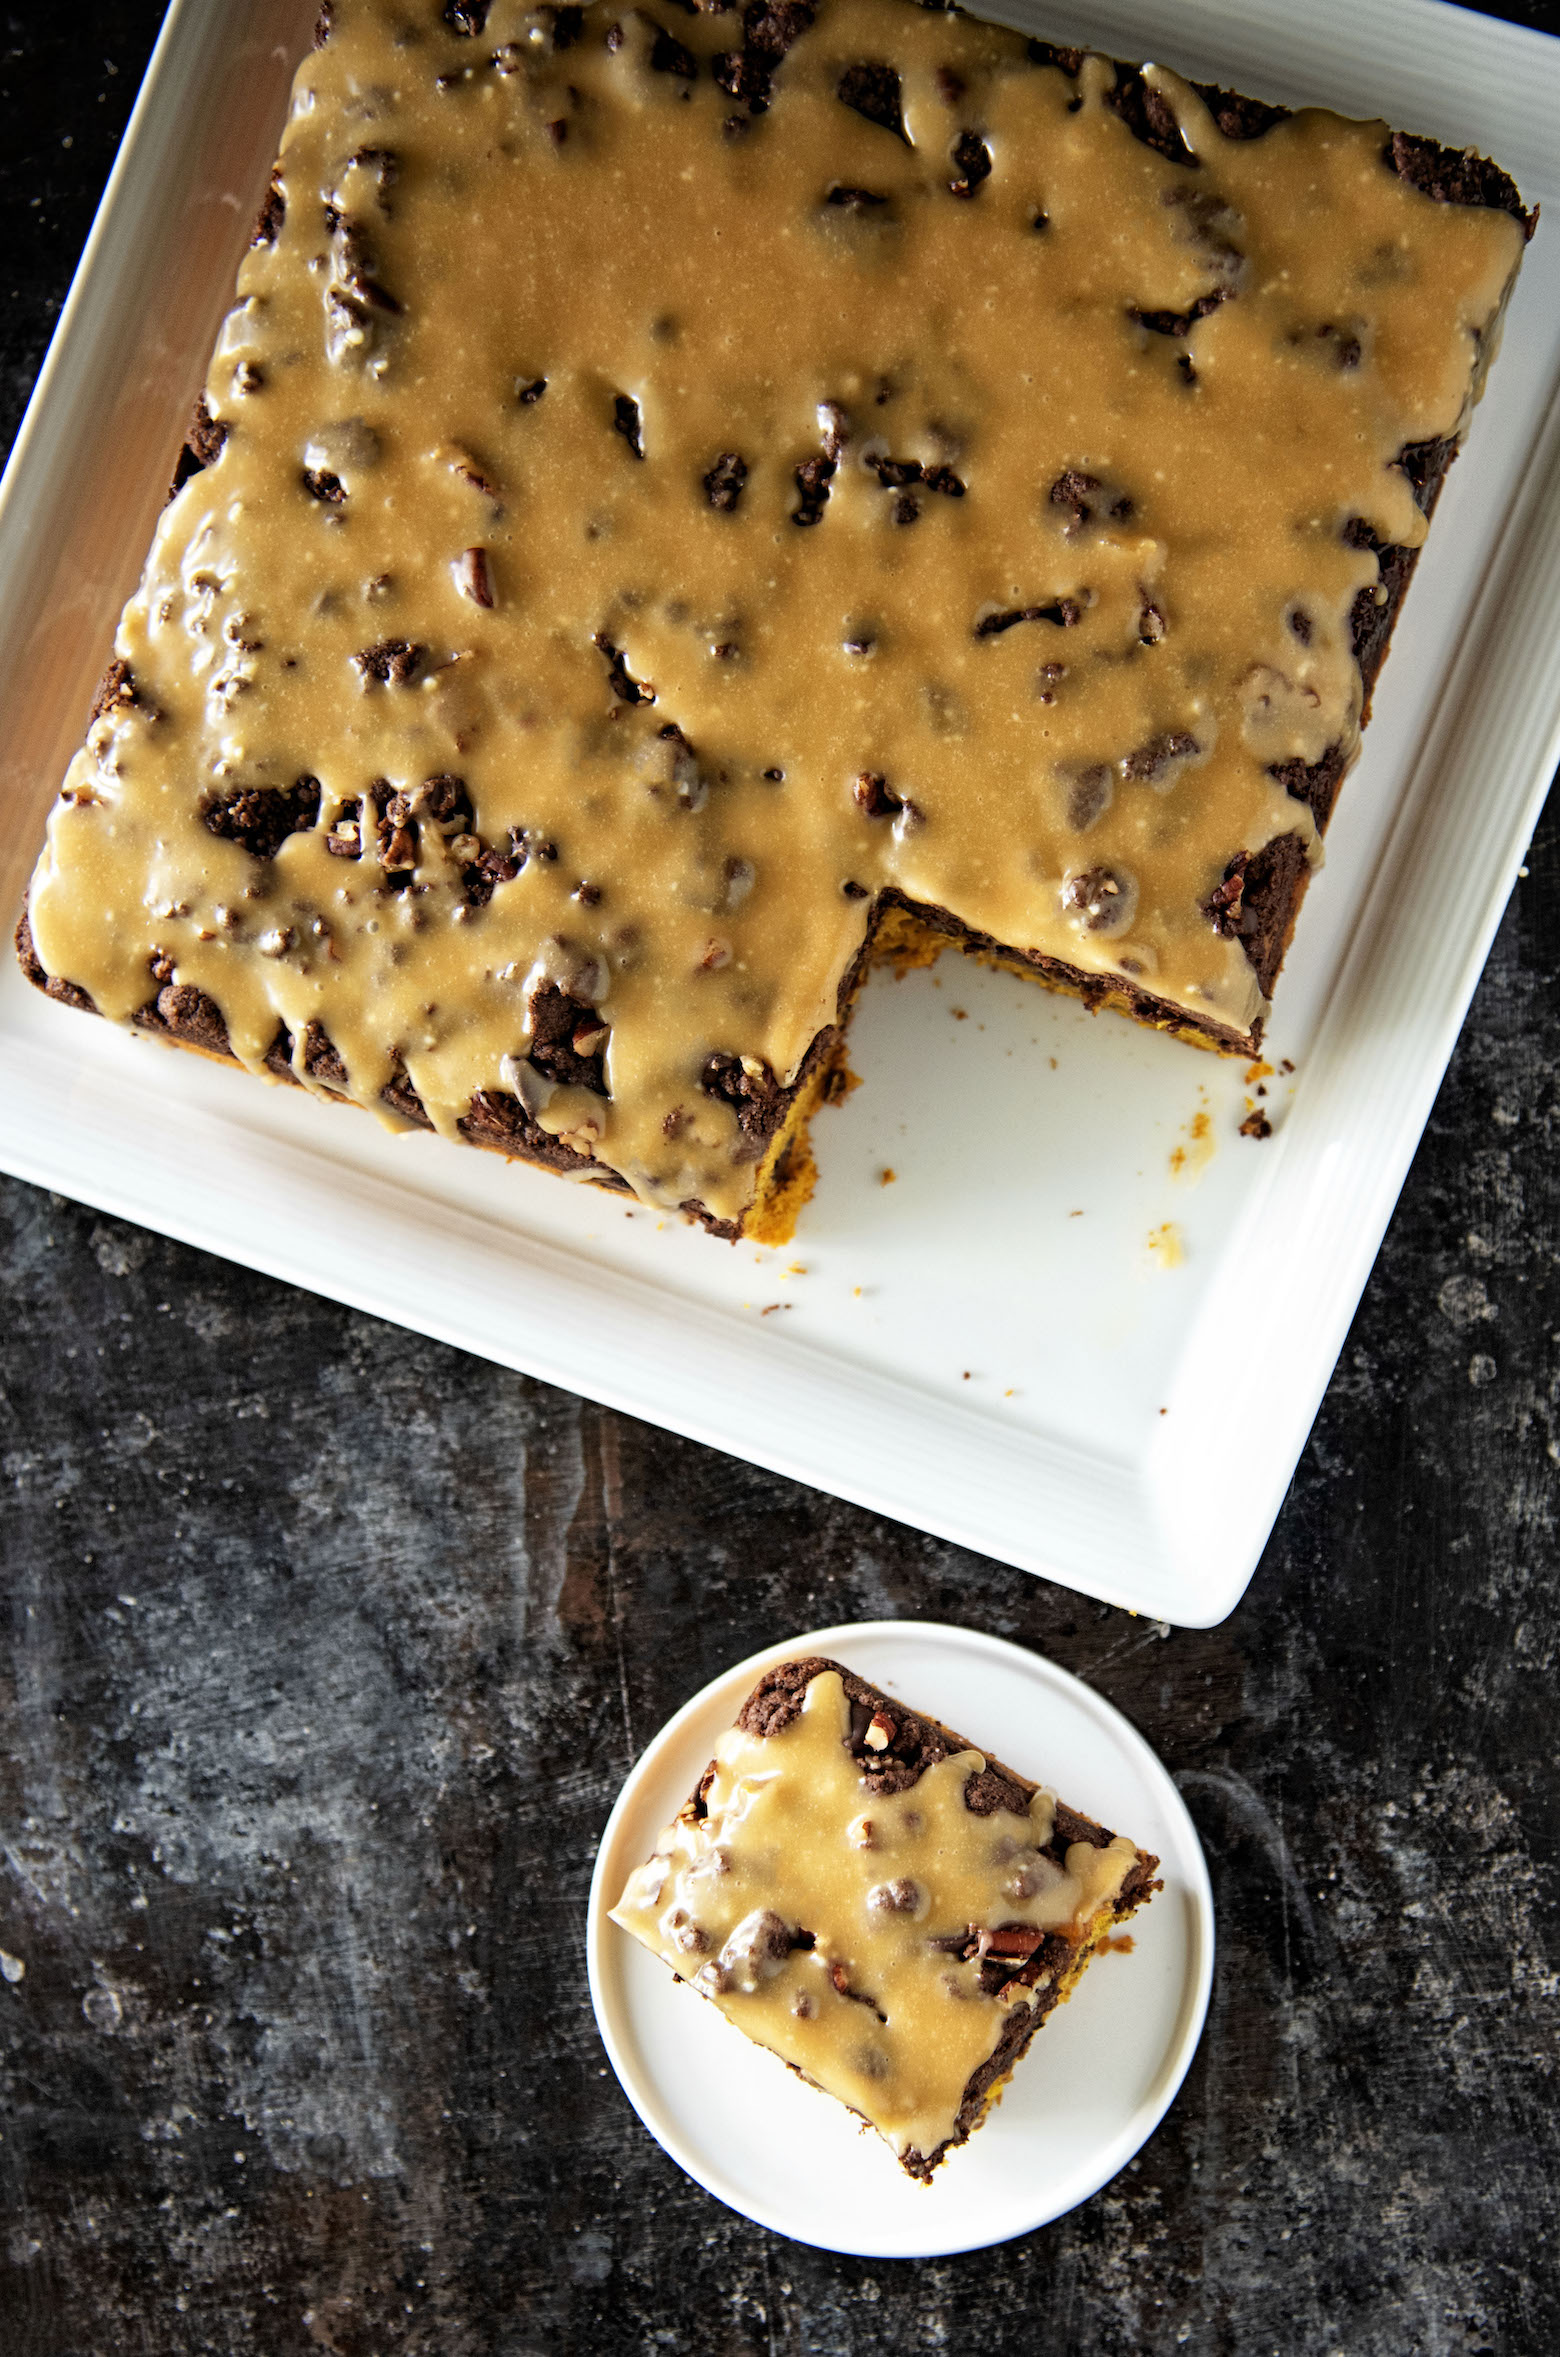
(1223,905)
(473,577)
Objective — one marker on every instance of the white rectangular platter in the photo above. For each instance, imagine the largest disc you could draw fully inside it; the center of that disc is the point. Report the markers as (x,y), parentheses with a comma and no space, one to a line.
(1086,1326)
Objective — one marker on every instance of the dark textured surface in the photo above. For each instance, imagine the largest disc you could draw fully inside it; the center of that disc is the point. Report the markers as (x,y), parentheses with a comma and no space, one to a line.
(326,1648)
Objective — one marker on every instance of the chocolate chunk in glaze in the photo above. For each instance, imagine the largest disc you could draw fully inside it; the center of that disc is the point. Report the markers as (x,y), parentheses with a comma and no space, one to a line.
(1088,500)
(971,163)
(1180,323)
(1062,612)
(273,212)
(389,662)
(873,89)
(474,576)
(770,30)
(116,690)
(568,1039)
(668,56)
(1148,115)
(260,818)
(202,445)
(627,421)
(1101,898)
(752,1092)
(876,798)
(723,484)
(813,478)
(625,686)
(1150,762)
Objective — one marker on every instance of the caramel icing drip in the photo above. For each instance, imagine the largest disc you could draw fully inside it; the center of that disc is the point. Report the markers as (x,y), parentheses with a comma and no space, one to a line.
(830,1923)
(675,487)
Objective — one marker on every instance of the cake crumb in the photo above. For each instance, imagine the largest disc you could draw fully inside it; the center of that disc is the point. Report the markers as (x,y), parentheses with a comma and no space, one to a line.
(1165,1244)
(886,1177)
(1256,1124)
(1190,1159)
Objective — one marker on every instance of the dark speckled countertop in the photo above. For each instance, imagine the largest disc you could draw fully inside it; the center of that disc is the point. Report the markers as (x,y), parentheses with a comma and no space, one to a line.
(326,1649)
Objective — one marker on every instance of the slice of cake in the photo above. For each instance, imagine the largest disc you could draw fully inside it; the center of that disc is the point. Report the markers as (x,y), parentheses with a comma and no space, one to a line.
(884,1906)
(686,503)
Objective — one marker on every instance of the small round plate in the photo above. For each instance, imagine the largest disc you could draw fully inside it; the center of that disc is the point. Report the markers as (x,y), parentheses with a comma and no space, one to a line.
(1092,2088)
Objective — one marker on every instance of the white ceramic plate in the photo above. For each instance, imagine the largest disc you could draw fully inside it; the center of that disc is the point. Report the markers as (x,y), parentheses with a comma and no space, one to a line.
(1093,2087)
(991,1347)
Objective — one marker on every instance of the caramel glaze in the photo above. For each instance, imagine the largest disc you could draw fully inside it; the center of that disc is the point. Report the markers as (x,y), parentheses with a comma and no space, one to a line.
(677,486)
(850,1932)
